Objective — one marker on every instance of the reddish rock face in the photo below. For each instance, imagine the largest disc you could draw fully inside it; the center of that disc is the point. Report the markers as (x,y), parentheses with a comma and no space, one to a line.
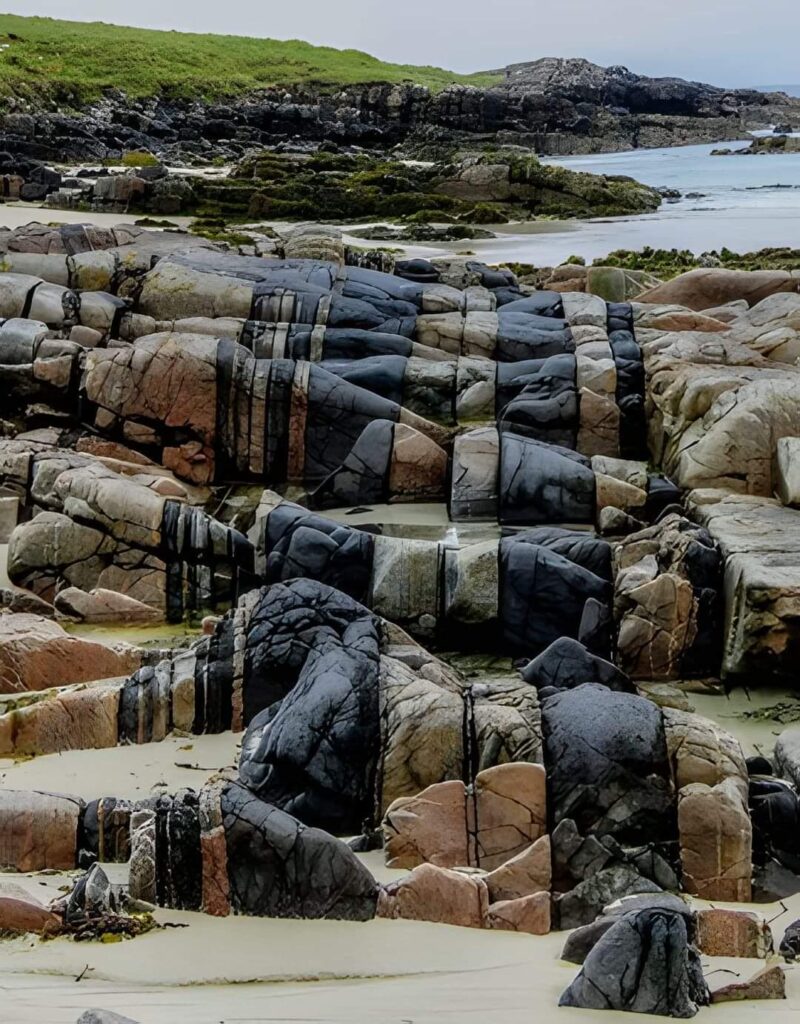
(429,828)
(702,289)
(21,912)
(38,831)
(191,461)
(167,379)
(530,914)
(83,719)
(36,654)
(447,826)
(511,811)
(216,887)
(716,840)
(418,467)
(436,895)
(733,933)
(768,983)
(528,873)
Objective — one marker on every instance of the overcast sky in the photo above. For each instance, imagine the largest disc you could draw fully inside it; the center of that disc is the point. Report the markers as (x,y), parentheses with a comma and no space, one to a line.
(727,42)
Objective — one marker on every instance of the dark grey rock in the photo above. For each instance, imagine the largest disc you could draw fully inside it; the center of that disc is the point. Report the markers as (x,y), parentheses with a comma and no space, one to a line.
(544,595)
(279,868)
(103,1017)
(607,765)
(566,663)
(583,904)
(789,948)
(543,483)
(582,941)
(311,697)
(644,963)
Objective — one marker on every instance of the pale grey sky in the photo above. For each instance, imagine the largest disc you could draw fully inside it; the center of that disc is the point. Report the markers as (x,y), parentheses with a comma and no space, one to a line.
(727,42)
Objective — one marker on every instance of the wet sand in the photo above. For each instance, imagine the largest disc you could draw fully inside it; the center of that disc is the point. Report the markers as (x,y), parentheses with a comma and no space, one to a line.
(17,215)
(133,772)
(699,226)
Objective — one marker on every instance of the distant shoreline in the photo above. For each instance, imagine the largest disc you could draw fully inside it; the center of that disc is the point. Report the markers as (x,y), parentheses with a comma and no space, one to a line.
(791,90)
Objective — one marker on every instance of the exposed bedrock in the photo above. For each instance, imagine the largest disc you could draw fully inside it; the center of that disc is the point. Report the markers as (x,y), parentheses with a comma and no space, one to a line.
(344,712)
(553,105)
(723,421)
(215,412)
(346,716)
(618,816)
(36,654)
(93,522)
(222,850)
(522,592)
(525,591)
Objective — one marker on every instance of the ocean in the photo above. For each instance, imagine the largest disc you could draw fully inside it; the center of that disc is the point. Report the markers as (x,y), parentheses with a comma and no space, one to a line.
(792,90)
(742,202)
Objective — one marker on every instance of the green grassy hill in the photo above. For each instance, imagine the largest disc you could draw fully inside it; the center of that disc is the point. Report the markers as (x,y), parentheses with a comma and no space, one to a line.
(73,62)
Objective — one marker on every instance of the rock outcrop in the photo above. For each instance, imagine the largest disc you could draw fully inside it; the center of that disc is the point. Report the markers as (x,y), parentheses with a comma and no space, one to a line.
(551,104)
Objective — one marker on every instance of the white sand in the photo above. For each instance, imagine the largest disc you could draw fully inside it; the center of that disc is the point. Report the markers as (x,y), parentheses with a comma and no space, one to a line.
(131,771)
(17,215)
(385,972)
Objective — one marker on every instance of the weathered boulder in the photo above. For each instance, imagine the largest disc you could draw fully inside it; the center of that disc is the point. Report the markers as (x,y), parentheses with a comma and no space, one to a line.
(768,983)
(566,664)
(608,767)
(529,914)
(430,828)
(716,841)
(437,895)
(528,873)
(701,289)
(21,912)
(582,940)
(733,933)
(98,606)
(279,868)
(644,963)
(789,948)
(701,751)
(601,887)
(36,653)
(38,830)
(449,825)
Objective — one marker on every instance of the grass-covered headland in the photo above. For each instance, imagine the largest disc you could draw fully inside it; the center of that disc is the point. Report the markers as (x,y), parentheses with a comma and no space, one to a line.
(74,62)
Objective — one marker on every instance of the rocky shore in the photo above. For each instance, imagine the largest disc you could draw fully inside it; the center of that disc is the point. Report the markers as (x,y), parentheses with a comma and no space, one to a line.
(548,106)
(265,186)
(778,143)
(188,436)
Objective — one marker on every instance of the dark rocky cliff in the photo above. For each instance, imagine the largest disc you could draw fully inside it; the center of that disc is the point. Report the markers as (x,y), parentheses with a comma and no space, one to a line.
(550,105)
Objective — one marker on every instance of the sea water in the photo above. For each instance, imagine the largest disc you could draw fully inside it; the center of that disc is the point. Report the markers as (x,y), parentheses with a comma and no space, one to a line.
(744,203)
